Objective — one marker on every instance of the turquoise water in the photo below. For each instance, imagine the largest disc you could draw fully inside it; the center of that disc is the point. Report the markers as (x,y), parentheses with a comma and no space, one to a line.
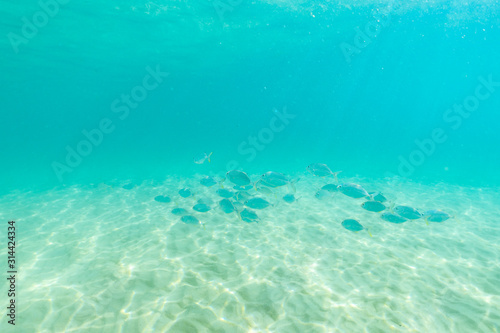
(402,98)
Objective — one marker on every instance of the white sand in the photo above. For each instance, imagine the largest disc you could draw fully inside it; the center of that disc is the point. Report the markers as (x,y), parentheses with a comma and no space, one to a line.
(101,259)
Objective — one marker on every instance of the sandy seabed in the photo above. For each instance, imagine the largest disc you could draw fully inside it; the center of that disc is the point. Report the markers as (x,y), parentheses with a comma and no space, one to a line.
(105,259)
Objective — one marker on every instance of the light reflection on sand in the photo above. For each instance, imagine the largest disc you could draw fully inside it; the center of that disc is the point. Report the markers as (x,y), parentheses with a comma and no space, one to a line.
(101,259)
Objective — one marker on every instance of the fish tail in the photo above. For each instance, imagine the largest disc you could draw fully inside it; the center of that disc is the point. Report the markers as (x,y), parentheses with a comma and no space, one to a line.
(209,157)
(292,183)
(427,220)
(369,233)
(335,176)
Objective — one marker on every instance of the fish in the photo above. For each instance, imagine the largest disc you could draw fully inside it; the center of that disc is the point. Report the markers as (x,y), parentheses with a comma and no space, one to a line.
(202,208)
(227,206)
(225,193)
(322,170)
(436,216)
(242,188)
(189,219)
(242,196)
(332,188)
(185,192)
(249,215)
(353,225)
(407,212)
(274,179)
(201,158)
(208,181)
(321,194)
(377,196)
(353,190)
(289,198)
(238,178)
(373,206)
(205,201)
(163,198)
(263,189)
(128,186)
(238,206)
(179,211)
(257,203)
(393,218)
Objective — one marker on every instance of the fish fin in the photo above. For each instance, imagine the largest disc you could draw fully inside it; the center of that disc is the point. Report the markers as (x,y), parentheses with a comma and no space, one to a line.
(335,176)
(209,157)
(427,220)
(238,213)
(291,185)
(369,233)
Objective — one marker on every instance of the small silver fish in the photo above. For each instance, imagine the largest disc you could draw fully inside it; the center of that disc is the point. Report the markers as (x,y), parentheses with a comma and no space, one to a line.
(249,216)
(227,206)
(289,198)
(257,203)
(321,170)
(242,188)
(407,212)
(330,188)
(185,192)
(377,196)
(225,193)
(393,218)
(242,196)
(208,181)
(202,208)
(373,206)
(179,211)
(162,198)
(238,178)
(275,179)
(353,225)
(189,219)
(201,158)
(436,216)
(353,190)
(206,201)
(321,194)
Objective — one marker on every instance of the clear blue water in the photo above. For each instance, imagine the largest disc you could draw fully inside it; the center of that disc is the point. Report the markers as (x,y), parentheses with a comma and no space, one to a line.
(227,75)
(233,73)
